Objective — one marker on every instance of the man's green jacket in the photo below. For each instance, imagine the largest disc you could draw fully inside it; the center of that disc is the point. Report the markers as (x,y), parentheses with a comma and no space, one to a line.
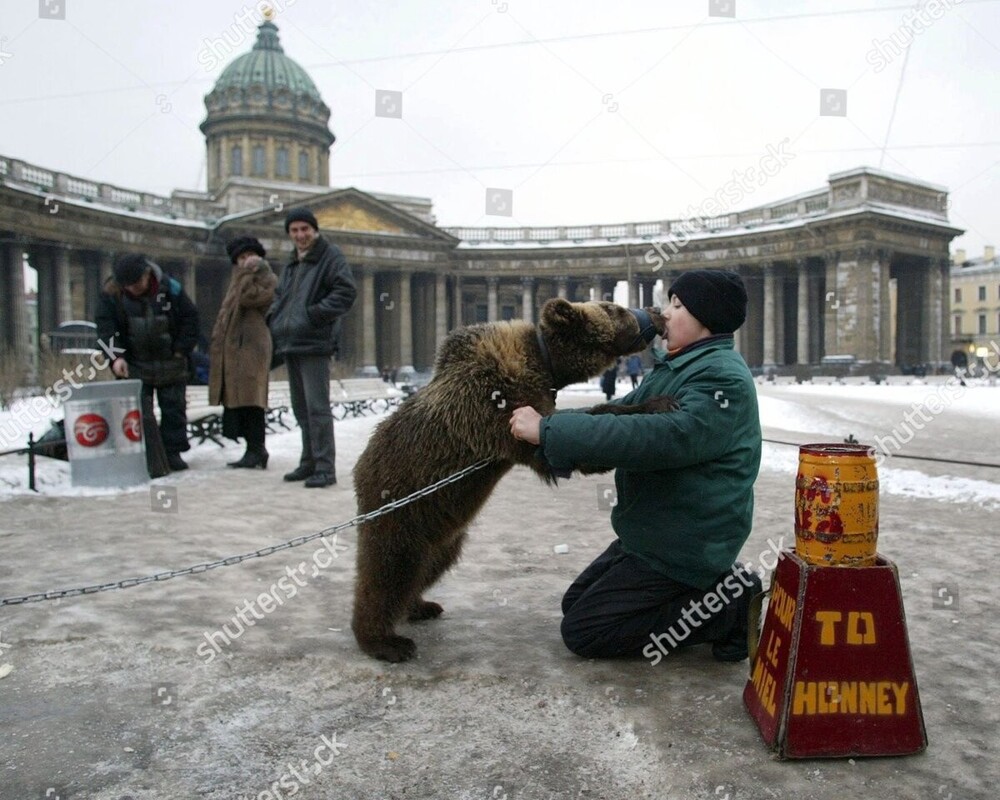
(684,479)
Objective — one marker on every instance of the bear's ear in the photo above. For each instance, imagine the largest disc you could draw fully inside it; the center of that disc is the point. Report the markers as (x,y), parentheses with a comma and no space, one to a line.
(559,313)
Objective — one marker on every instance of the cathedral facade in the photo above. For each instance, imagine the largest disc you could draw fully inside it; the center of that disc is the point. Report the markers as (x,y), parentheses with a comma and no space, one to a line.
(858,268)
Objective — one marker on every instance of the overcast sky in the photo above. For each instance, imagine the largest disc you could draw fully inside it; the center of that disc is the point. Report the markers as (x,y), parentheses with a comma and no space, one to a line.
(587,111)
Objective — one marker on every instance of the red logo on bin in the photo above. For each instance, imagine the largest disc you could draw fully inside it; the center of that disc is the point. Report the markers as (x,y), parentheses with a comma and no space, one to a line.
(91,430)
(132,426)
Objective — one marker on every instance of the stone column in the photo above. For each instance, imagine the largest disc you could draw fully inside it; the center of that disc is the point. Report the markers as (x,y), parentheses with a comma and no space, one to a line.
(191,280)
(43,262)
(597,287)
(368,340)
(527,299)
(802,319)
(944,306)
(63,296)
(92,284)
(647,287)
(562,287)
(456,312)
(769,298)
(816,319)
(406,369)
(440,309)
(492,301)
(634,293)
(934,311)
(14,307)
(106,262)
(883,288)
(779,316)
(831,305)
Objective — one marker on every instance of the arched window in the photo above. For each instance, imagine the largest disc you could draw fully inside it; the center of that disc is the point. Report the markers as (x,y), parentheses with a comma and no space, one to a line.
(281,166)
(259,166)
(303,166)
(236,167)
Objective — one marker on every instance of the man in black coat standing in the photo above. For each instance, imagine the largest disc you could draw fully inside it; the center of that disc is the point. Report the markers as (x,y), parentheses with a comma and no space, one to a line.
(316,289)
(146,312)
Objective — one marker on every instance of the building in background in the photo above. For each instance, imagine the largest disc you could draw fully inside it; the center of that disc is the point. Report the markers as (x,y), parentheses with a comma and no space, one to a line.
(857,269)
(975,309)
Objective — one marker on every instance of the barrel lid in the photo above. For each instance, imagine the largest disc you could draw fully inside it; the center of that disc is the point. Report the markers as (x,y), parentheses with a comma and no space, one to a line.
(837,449)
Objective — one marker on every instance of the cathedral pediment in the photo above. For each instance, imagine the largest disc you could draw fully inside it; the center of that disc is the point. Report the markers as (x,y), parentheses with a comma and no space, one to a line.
(351,211)
(347,214)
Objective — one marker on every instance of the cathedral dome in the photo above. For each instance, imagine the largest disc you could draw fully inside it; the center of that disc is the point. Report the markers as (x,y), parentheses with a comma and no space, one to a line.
(266,119)
(267,66)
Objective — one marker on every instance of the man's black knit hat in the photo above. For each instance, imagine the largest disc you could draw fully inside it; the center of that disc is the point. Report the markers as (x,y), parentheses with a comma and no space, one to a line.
(129,269)
(301,214)
(238,247)
(717,298)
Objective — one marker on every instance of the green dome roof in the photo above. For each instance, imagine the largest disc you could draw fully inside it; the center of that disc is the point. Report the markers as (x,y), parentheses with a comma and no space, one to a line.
(267,65)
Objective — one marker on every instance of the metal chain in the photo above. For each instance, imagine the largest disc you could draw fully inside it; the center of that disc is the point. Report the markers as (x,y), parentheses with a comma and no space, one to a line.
(128,583)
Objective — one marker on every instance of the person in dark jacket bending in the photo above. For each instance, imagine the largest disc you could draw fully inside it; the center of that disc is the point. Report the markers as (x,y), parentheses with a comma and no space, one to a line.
(684,483)
(150,316)
(316,289)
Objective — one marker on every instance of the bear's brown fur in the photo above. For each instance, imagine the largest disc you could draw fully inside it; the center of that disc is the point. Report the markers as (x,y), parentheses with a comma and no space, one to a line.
(483,372)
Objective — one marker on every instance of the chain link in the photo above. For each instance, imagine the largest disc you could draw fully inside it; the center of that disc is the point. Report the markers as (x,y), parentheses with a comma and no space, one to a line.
(128,583)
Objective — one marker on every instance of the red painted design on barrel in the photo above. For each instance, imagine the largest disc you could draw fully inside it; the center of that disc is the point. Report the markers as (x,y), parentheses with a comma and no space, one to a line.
(836,505)
(91,430)
(132,426)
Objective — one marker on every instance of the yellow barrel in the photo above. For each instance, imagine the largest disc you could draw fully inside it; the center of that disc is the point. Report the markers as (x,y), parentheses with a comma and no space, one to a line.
(836,505)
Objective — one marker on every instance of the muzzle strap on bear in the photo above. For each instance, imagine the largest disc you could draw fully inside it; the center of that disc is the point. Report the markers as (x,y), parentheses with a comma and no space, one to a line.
(647,331)
(546,361)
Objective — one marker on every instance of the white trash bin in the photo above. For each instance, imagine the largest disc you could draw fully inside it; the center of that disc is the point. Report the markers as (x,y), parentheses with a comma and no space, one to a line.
(104,435)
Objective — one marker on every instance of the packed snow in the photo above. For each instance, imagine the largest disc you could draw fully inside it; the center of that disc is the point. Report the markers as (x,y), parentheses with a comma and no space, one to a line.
(802,412)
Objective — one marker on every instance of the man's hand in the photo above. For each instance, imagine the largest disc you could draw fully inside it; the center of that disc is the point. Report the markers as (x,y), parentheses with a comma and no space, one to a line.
(525,424)
(120,367)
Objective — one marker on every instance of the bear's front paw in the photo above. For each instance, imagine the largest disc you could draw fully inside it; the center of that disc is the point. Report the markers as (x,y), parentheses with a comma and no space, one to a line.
(659,404)
(424,609)
(654,405)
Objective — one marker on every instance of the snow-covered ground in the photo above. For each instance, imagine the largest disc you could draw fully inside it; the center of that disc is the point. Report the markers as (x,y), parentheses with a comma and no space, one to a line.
(494,705)
(873,414)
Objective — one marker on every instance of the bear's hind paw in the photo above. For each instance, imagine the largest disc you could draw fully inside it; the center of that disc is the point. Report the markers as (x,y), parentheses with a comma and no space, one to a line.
(424,609)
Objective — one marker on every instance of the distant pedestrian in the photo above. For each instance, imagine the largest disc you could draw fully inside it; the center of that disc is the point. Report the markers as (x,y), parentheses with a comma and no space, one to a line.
(240,355)
(609,380)
(150,316)
(315,291)
(634,367)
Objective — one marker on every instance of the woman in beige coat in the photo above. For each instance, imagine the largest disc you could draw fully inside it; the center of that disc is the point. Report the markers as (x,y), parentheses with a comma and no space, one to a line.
(240,351)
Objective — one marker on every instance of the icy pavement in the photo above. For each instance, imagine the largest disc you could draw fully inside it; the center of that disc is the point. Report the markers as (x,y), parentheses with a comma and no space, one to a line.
(122,694)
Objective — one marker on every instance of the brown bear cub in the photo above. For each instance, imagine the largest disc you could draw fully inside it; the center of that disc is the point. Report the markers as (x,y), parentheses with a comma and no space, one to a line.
(483,372)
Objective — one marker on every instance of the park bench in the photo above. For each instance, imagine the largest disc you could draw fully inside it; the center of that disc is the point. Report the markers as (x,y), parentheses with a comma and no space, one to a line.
(204,421)
(357,396)
(279,403)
